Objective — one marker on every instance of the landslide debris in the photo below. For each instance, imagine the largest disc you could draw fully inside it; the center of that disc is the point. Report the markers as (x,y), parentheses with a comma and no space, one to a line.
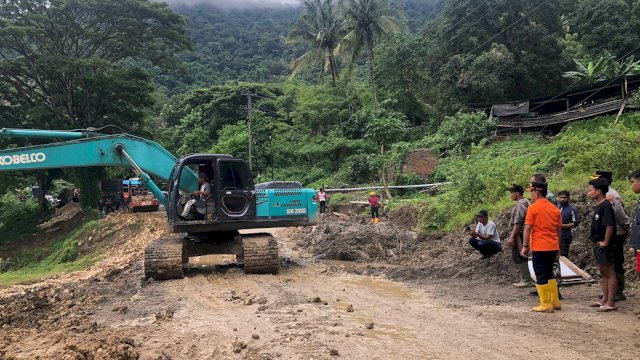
(61,306)
(356,239)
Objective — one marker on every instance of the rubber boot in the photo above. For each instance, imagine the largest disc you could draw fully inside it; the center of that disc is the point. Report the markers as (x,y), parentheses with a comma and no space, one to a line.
(545,299)
(377,220)
(555,295)
(620,296)
(373,220)
(525,277)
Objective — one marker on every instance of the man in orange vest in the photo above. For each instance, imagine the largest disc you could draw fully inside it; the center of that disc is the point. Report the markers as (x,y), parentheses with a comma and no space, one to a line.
(542,230)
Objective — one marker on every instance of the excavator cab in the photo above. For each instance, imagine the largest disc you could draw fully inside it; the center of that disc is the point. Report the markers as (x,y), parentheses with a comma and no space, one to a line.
(232,198)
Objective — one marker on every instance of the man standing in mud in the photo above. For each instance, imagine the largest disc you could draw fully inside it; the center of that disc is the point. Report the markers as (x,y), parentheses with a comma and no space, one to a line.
(542,236)
(603,226)
(622,230)
(540,177)
(634,178)
(570,219)
(375,207)
(516,226)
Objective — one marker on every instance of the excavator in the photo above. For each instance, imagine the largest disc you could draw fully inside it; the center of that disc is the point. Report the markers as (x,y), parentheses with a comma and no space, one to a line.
(212,228)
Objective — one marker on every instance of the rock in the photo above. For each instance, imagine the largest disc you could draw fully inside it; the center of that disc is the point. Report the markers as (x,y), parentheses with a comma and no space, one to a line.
(238,346)
(350,308)
(299,310)
(369,326)
(316,300)
(334,352)
(325,303)
(262,307)
(255,336)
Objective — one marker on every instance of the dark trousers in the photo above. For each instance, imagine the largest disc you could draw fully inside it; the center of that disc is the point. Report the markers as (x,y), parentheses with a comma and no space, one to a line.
(618,253)
(323,207)
(543,262)
(485,247)
(374,212)
(564,247)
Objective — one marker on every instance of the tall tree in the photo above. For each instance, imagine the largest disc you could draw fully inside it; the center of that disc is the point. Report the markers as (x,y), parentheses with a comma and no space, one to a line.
(611,25)
(515,53)
(368,20)
(75,59)
(68,64)
(322,27)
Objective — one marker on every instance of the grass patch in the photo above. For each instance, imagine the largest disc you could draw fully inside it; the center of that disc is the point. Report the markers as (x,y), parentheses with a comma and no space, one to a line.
(18,219)
(58,257)
(481,176)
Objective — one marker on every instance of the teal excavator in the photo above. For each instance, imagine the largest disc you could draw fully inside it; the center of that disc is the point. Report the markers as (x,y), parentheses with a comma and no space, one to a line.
(213,227)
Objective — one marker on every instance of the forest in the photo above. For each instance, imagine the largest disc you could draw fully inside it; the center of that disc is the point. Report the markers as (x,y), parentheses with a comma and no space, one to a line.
(341,90)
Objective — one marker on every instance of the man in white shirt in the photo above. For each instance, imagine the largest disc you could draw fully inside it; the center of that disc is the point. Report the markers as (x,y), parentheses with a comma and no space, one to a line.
(485,237)
(202,193)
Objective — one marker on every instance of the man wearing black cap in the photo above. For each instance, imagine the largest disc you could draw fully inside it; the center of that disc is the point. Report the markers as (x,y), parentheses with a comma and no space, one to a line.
(485,237)
(516,226)
(603,226)
(542,236)
(622,229)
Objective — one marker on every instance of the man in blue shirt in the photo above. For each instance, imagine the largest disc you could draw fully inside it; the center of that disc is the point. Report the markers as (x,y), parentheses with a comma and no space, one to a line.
(570,219)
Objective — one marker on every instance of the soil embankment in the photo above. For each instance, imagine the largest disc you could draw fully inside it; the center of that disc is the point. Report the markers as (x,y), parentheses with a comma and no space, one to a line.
(315,308)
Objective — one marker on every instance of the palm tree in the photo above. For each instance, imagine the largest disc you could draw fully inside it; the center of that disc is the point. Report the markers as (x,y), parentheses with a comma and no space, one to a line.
(322,27)
(368,19)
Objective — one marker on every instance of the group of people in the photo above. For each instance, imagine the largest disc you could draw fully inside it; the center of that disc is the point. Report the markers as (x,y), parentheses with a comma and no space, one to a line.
(374,203)
(543,229)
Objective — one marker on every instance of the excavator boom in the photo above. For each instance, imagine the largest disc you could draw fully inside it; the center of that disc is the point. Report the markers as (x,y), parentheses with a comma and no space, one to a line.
(91,149)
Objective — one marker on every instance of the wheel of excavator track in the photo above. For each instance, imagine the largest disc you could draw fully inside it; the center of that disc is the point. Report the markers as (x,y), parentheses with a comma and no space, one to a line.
(164,259)
(260,254)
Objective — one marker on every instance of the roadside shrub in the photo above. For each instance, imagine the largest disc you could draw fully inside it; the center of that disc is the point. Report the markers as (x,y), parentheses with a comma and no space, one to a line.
(460,131)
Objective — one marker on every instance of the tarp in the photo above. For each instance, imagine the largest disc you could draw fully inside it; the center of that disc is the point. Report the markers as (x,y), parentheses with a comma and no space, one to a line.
(510,109)
(569,272)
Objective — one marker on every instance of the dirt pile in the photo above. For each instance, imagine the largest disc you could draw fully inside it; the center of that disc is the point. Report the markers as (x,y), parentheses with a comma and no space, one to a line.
(61,306)
(64,216)
(449,256)
(356,239)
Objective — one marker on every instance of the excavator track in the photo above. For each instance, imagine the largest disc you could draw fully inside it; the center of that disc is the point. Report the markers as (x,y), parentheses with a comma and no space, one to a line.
(164,259)
(260,254)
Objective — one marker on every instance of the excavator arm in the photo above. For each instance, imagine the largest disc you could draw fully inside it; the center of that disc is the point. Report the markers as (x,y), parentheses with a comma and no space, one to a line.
(87,149)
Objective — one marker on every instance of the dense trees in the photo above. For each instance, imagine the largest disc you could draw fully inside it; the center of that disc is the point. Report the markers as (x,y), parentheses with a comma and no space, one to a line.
(407,90)
(68,64)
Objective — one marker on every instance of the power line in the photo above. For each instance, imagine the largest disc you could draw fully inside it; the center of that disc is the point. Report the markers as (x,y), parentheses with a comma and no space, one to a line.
(494,36)
(416,56)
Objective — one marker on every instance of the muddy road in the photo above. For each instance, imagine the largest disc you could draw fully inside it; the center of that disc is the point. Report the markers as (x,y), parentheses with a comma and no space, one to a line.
(313,309)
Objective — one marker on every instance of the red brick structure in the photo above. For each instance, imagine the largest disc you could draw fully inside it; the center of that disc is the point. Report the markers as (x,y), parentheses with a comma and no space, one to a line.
(422,162)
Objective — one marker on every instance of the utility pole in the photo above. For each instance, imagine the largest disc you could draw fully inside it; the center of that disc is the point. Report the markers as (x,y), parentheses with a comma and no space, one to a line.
(249,101)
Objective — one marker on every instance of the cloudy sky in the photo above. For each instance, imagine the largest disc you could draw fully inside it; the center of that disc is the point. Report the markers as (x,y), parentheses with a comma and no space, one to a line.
(235,3)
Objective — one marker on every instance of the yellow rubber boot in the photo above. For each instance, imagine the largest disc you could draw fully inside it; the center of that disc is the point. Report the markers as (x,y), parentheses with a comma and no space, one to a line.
(545,299)
(377,220)
(555,298)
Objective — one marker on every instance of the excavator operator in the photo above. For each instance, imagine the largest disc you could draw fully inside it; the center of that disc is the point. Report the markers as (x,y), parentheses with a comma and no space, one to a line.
(202,194)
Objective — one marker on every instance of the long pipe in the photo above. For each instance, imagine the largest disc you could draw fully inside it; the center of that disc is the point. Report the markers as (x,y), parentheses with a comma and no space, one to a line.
(390,187)
(43,134)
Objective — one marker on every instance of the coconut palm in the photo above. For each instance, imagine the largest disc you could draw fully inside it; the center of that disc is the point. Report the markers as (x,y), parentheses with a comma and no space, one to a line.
(322,27)
(367,20)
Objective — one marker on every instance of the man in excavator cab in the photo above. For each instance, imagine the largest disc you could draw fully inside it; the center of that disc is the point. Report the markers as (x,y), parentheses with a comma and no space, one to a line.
(200,195)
